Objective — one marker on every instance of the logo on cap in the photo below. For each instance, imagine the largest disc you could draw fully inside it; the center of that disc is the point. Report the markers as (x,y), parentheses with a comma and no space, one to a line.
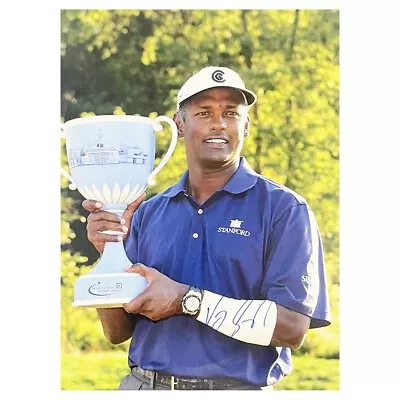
(218,76)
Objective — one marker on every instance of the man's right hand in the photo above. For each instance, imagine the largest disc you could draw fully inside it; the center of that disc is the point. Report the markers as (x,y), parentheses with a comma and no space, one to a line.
(99,221)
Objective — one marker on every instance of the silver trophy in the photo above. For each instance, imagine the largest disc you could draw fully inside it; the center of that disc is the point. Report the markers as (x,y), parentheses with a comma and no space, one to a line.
(111,159)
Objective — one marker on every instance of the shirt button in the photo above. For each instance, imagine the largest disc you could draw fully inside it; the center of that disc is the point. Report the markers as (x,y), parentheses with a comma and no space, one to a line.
(195,235)
(199,211)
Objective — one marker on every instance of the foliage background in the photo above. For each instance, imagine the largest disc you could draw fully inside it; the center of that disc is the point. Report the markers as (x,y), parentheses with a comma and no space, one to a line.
(134,62)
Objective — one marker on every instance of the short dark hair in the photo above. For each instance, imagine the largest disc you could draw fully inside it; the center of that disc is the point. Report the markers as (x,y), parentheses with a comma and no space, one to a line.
(183,107)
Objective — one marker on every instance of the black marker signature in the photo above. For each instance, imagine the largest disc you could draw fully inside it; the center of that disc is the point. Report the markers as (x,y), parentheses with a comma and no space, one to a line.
(252,319)
(216,318)
(236,323)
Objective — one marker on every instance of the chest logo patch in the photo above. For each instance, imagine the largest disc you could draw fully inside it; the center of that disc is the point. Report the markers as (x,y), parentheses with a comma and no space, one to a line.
(235,223)
(235,228)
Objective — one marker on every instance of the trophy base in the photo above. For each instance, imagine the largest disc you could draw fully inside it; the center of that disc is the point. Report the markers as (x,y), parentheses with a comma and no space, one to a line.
(115,303)
(108,290)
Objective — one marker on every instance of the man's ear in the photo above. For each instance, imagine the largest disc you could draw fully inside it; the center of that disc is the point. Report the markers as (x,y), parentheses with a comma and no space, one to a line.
(179,124)
(247,127)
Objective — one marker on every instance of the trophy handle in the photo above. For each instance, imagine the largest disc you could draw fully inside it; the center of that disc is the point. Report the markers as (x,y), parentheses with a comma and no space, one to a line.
(72,185)
(158,128)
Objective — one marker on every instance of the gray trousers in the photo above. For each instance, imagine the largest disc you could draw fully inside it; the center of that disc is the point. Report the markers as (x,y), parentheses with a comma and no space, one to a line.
(133,381)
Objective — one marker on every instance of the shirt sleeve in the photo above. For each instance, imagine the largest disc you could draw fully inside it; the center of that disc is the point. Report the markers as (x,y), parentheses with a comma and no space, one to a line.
(295,270)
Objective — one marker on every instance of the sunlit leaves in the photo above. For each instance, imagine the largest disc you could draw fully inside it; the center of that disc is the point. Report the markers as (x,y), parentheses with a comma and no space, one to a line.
(149,50)
(119,111)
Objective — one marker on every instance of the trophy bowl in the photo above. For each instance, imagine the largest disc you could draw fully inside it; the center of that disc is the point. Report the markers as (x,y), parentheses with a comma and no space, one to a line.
(111,159)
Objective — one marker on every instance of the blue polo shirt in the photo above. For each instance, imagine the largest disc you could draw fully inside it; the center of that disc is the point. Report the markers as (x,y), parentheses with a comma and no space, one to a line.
(253,239)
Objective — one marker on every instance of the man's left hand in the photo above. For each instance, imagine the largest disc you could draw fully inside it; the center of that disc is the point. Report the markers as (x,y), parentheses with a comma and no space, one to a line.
(161,298)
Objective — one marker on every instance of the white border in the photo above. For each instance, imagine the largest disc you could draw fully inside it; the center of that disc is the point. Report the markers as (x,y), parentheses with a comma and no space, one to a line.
(369,179)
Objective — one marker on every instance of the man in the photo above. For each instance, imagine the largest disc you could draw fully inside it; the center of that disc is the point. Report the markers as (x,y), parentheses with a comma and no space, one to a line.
(233,260)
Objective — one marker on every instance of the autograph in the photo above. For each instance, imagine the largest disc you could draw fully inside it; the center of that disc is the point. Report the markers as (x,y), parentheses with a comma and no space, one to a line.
(247,312)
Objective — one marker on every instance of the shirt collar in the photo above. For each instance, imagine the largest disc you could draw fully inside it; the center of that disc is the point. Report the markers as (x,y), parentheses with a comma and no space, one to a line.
(243,179)
(179,187)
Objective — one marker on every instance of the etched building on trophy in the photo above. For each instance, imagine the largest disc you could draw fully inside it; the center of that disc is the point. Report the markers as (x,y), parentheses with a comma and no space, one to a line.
(103,151)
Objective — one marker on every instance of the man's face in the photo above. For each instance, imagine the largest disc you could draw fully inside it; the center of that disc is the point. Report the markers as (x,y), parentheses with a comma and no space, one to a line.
(216,123)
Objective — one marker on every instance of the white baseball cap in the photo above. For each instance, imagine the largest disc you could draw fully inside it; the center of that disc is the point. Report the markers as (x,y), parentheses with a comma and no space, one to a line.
(212,77)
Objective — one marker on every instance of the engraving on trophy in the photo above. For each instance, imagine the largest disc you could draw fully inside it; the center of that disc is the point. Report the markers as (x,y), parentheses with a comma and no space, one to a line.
(102,152)
(98,290)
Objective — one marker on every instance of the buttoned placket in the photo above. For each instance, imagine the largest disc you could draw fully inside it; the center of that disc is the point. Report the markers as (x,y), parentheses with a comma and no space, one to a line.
(197,233)
(196,229)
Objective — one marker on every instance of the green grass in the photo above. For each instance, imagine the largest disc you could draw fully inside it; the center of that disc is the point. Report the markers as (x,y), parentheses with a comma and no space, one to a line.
(311,373)
(104,371)
(93,371)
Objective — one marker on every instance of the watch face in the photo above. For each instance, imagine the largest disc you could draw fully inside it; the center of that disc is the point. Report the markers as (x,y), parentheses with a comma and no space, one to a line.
(192,303)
